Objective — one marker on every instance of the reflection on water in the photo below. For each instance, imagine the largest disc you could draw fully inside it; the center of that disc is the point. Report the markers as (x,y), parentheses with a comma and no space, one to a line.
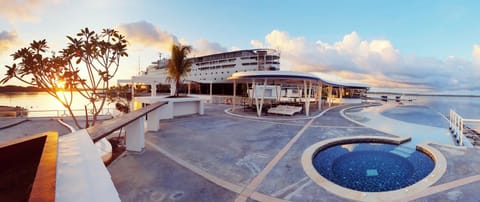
(421,123)
(417,114)
(467,107)
(39,102)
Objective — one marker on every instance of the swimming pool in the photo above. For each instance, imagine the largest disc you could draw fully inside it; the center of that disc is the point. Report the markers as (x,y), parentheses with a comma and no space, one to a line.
(369,168)
(372,167)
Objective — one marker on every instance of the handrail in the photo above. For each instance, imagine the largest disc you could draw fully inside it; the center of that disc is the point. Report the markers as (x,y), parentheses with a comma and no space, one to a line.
(58,112)
(457,125)
(103,129)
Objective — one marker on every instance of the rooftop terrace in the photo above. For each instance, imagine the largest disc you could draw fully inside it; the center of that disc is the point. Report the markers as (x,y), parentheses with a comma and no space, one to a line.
(220,157)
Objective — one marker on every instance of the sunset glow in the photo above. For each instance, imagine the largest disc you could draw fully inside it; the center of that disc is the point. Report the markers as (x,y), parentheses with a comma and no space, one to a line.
(431,48)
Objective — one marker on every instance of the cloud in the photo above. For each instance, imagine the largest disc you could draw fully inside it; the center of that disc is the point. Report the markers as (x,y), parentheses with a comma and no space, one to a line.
(476,51)
(376,62)
(22,10)
(204,47)
(7,40)
(256,43)
(147,34)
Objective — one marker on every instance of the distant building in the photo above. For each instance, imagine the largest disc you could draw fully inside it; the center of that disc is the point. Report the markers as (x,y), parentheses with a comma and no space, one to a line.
(215,69)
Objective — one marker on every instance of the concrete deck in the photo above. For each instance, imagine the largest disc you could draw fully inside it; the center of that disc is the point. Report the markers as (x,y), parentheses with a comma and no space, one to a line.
(219,157)
(14,128)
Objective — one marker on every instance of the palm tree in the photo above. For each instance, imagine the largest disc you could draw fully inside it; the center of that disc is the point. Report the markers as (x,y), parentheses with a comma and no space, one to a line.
(178,65)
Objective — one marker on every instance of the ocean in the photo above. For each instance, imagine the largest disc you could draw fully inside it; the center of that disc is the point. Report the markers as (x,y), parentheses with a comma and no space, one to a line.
(466,106)
(42,104)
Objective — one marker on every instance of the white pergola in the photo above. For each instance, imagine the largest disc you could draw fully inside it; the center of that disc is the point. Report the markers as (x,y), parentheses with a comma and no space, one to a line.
(309,81)
(153,81)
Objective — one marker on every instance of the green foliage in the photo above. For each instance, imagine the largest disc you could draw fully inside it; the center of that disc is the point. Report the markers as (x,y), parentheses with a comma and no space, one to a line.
(178,65)
(60,74)
(121,96)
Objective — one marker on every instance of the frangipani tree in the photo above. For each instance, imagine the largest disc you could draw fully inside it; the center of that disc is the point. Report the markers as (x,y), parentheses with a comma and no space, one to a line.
(178,65)
(60,73)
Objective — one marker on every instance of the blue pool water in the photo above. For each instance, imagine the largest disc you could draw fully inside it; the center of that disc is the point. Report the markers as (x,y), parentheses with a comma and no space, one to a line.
(371,167)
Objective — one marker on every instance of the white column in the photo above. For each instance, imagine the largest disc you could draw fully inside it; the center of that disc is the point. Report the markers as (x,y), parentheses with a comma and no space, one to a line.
(307,93)
(263,96)
(154,89)
(135,135)
(172,87)
(254,92)
(210,90)
(320,86)
(153,122)
(305,96)
(201,108)
(166,111)
(279,93)
(234,94)
(340,89)
(329,96)
(133,90)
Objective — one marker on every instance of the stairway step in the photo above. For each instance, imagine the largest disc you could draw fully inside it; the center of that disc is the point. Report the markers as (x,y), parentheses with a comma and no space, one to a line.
(401,153)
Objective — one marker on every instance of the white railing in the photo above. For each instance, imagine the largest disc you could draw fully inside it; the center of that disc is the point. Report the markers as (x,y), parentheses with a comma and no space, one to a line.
(457,126)
(65,113)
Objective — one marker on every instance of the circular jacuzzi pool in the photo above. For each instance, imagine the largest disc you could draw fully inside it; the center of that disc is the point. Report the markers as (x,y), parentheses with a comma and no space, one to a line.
(372,167)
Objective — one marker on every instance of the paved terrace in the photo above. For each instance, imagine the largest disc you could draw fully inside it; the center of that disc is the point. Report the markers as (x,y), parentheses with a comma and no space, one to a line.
(219,157)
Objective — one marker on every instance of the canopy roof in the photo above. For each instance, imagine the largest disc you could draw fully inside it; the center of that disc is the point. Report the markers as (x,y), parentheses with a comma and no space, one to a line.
(292,75)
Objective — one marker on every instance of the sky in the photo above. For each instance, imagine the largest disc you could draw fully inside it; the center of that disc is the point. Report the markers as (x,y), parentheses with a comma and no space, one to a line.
(412,45)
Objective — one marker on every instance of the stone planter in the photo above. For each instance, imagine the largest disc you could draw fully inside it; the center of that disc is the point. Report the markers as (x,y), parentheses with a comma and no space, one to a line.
(181,106)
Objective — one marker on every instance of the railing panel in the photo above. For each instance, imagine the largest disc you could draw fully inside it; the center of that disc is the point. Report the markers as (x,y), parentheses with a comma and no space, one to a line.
(103,129)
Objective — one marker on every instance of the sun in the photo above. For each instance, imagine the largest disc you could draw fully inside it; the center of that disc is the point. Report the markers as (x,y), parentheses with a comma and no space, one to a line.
(60,84)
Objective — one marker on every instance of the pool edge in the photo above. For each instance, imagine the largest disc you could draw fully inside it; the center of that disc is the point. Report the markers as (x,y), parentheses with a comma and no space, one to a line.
(434,176)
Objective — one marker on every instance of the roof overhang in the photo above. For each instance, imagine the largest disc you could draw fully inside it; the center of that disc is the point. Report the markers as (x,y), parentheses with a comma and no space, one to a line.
(299,76)
(273,75)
